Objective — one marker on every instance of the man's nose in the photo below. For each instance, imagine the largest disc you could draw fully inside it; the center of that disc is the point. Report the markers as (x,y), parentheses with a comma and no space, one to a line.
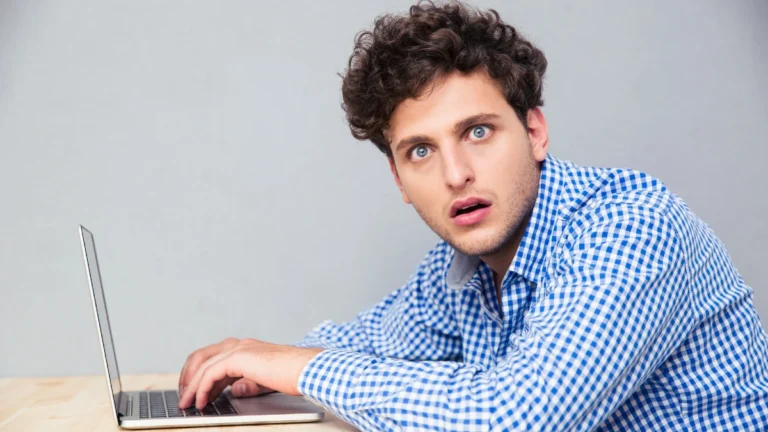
(457,169)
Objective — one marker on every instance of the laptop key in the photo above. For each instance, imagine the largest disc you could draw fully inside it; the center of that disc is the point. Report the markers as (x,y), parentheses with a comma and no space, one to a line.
(143,405)
(191,412)
(156,405)
(164,404)
(224,407)
(209,410)
(174,412)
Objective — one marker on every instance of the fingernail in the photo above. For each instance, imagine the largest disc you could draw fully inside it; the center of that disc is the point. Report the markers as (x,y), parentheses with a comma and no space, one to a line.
(181,390)
(241,388)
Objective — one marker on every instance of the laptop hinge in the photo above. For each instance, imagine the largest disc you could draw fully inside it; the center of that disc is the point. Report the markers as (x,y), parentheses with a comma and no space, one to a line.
(122,408)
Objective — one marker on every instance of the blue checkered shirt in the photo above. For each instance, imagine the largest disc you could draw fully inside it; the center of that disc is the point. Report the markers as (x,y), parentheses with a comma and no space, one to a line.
(621,310)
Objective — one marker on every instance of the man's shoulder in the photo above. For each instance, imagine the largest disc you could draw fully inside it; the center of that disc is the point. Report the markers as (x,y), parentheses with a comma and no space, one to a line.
(602,195)
(590,189)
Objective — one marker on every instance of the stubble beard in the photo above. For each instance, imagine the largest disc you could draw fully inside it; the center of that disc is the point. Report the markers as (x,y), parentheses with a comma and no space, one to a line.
(515,215)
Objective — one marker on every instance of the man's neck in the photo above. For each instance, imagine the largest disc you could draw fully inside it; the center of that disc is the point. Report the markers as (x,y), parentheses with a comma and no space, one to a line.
(500,261)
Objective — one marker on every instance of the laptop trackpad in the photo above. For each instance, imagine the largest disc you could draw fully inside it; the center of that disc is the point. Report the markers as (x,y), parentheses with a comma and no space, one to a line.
(273,404)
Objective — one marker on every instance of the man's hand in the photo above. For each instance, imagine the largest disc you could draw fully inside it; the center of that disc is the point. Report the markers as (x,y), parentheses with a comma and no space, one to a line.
(260,366)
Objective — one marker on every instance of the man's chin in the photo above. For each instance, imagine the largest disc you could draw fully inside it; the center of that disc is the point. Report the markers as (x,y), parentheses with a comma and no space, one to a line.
(474,244)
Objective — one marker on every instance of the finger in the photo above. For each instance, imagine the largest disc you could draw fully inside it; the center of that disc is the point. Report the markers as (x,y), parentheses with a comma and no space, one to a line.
(193,363)
(182,376)
(227,366)
(186,398)
(219,387)
(247,388)
(198,357)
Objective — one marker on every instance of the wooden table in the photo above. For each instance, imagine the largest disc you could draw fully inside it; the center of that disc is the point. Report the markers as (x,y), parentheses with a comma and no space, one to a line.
(82,404)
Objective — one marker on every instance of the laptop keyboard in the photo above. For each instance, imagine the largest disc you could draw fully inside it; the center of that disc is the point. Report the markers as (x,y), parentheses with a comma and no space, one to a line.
(165,404)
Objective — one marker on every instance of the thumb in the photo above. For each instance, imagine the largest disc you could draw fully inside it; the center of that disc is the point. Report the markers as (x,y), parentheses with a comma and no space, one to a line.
(246,388)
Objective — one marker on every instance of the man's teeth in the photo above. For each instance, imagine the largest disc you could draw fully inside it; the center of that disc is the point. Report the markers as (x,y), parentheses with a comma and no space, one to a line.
(469,209)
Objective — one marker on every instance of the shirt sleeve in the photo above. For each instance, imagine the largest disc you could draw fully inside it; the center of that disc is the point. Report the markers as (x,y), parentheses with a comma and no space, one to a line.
(415,322)
(600,327)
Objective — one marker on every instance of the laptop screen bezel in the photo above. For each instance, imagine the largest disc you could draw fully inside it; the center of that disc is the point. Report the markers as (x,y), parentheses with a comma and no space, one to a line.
(115,391)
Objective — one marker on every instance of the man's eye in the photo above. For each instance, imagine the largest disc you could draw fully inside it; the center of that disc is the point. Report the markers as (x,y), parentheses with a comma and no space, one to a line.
(419,152)
(479,132)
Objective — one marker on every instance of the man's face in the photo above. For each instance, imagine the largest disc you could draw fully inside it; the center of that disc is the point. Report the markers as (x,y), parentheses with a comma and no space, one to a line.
(464,160)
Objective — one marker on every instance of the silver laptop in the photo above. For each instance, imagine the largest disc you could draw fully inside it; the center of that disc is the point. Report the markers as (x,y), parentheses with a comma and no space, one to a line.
(159,409)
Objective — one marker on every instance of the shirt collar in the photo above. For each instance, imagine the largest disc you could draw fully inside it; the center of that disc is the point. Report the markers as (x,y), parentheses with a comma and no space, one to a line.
(530,257)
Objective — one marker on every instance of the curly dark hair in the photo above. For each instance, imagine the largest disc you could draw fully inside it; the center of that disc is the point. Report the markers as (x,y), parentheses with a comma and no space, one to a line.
(403,54)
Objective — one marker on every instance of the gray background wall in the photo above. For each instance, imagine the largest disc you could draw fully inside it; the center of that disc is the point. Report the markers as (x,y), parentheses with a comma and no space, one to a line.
(204,145)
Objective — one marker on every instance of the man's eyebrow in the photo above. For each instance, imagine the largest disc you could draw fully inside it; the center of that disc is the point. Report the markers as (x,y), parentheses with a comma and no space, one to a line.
(407,142)
(469,121)
(458,127)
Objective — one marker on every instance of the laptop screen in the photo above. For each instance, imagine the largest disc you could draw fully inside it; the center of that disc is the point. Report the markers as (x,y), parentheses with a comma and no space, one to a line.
(102,319)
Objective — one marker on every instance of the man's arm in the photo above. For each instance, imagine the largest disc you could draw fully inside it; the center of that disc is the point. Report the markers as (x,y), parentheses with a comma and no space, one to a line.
(415,322)
(615,311)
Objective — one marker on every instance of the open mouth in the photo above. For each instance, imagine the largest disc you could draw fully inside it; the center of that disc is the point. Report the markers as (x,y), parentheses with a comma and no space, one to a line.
(470,209)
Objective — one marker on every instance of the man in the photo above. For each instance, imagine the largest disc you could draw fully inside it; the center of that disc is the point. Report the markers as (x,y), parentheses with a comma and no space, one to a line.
(561,297)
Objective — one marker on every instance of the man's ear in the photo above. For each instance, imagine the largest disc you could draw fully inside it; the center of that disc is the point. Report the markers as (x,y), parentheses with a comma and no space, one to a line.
(393,168)
(538,134)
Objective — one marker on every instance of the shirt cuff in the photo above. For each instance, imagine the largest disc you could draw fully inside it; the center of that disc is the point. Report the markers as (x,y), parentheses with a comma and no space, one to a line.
(328,377)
